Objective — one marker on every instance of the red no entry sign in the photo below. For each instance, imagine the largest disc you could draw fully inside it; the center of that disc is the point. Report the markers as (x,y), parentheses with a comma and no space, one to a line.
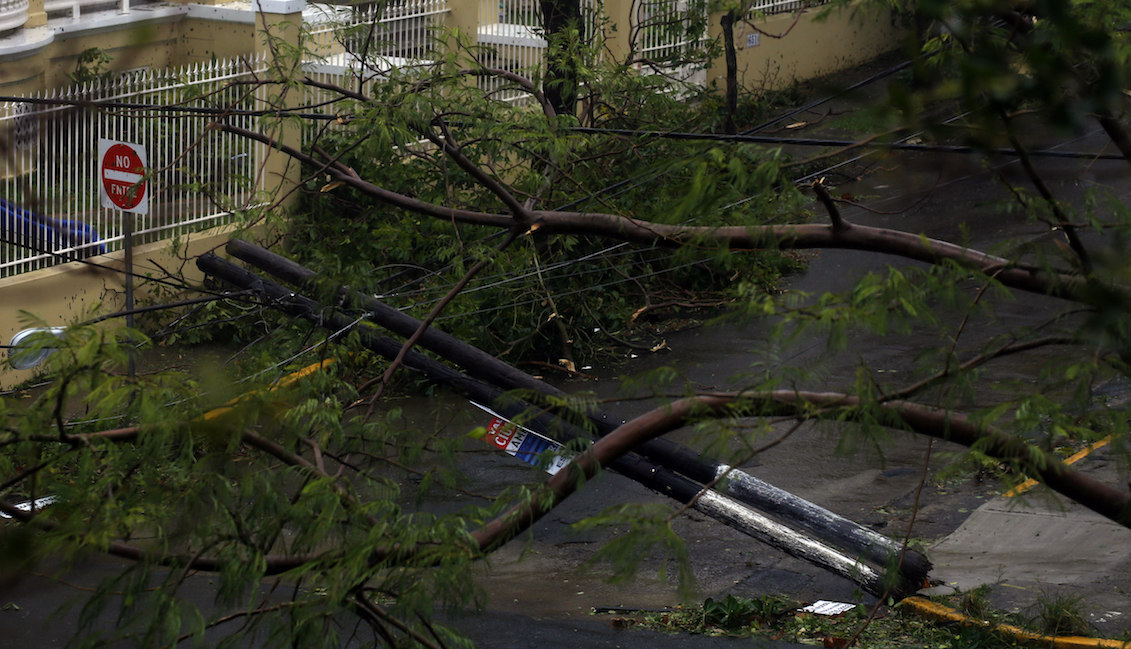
(121,172)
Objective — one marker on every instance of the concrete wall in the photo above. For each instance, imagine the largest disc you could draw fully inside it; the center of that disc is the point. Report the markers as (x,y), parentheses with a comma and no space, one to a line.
(779,50)
(69,293)
(173,37)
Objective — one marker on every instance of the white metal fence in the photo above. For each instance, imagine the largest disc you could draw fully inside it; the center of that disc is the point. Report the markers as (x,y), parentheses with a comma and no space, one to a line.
(49,190)
(49,206)
(666,30)
(510,37)
(770,7)
(366,40)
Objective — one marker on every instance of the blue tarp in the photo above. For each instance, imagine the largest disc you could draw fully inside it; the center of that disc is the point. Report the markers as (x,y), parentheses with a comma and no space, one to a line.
(25,228)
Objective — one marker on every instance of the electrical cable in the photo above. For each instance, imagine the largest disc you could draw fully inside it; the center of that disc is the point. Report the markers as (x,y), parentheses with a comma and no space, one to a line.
(333,335)
(760,127)
(161,307)
(166,109)
(900,145)
(583,289)
(637,181)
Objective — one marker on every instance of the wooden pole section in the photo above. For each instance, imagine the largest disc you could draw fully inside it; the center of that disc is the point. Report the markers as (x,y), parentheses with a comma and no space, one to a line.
(632,465)
(821,523)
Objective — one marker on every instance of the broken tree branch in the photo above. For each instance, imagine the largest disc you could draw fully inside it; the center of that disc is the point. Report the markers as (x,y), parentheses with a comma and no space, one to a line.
(909,245)
(655,477)
(782,505)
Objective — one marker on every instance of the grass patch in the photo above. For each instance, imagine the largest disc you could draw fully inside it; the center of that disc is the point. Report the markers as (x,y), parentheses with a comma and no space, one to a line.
(1059,614)
(779,618)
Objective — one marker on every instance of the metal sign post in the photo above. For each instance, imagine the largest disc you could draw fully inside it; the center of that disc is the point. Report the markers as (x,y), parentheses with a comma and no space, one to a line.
(122,186)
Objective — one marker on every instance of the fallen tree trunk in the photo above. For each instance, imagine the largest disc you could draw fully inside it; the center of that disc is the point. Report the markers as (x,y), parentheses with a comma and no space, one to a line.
(783,506)
(631,465)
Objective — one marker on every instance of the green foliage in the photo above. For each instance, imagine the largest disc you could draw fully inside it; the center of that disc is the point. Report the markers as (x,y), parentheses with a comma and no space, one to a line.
(772,616)
(538,296)
(975,603)
(1058,614)
(90,65)
(292,482)
(734,613)
(179,484)
(729,615)
(1062,58)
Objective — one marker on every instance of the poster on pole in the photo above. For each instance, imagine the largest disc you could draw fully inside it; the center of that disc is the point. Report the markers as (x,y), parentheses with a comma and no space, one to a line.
(121,176)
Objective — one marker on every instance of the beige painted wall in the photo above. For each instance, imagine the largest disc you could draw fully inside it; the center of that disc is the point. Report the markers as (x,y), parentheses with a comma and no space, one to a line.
(164,43)
(808,48)
(67,293)
(849,36)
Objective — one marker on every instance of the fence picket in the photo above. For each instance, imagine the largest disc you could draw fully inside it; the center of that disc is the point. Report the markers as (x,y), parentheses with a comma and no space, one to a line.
(50,187)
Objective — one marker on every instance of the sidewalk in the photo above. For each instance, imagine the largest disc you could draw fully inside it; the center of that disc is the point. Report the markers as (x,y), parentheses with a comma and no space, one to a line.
(1036,547)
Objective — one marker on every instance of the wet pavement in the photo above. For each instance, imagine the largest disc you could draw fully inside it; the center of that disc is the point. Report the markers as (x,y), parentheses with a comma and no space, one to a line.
(542,591)
(1027,549)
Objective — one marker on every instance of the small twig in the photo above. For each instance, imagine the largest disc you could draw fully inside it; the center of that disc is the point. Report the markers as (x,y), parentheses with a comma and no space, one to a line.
(381,614)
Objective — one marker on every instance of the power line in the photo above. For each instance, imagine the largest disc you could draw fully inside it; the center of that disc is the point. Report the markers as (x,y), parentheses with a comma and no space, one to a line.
(173,109)
(827,142)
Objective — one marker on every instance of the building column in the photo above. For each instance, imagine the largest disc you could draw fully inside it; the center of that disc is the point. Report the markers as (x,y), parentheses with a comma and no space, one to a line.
(618,32)
(464,16)
(36,14)
(280,175)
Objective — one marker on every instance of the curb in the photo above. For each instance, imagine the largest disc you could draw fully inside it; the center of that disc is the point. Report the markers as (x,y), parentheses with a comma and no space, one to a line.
(1079,455)
(942,613)
(283,382)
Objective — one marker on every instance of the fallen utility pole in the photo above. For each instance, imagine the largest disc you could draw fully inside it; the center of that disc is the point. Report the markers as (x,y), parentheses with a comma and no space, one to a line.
(783,506)
(631,465)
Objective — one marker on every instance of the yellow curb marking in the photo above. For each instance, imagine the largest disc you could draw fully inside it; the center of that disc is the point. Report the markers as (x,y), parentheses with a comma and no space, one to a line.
(1075,457)
(281,383)
(942,613)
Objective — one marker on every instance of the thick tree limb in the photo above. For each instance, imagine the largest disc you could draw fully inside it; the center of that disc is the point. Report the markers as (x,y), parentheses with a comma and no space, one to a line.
(820,523)
(796,236)
(1103,499)
(1117,133)
(1112,503)
(657,478)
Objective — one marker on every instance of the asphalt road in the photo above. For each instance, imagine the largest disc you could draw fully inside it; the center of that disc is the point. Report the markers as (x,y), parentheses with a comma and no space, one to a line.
(542,590)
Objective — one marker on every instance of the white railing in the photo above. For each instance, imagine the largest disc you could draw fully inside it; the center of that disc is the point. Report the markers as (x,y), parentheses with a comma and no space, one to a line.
(670,36)
(770,7)
(398,29)
(13,14)
(355,46)
(510,37)
(661,29)
(78,7)
(197,175)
